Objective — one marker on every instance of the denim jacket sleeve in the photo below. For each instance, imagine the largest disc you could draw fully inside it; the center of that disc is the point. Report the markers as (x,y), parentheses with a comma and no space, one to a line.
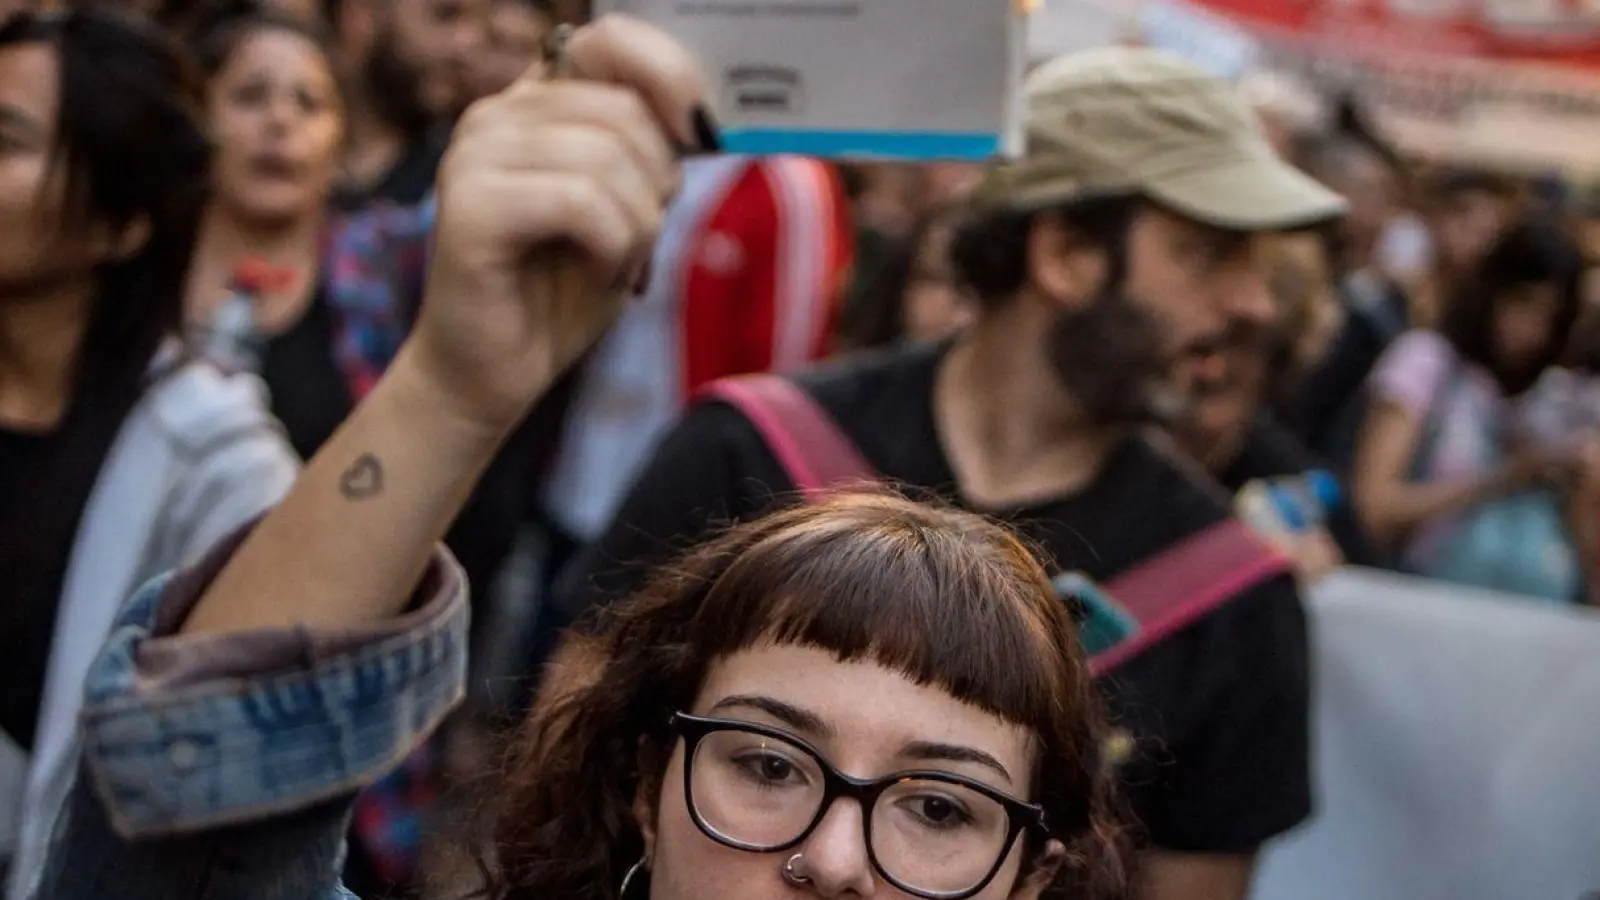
(224,767)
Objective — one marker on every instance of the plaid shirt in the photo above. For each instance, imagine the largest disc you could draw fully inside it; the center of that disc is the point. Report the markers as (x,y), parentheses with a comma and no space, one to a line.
(373,267)
(373,270)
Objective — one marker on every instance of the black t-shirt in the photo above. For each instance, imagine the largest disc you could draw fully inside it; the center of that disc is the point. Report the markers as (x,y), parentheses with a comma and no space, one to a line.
(1219,711)
(1273,451)
(25,646)
(310,394)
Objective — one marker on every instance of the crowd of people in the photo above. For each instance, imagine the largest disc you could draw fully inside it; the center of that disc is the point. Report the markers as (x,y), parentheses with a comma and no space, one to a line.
(312,315)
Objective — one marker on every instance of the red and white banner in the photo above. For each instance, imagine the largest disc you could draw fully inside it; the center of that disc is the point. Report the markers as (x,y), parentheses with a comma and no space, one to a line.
(1545,33)
(1512,82)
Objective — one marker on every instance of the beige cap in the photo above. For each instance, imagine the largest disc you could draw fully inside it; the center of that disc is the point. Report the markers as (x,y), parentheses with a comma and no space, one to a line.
(1140,121)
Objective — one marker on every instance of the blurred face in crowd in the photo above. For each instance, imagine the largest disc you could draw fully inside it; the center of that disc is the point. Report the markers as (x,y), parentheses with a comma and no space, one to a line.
(1225,401)
(1466,224)
(40,243)
(934,306)
(516,32)
(1368,186)
(276,117)
(890,197)
(868,721)
(30,206)
(437,41)
(1524,317)
(1302,284)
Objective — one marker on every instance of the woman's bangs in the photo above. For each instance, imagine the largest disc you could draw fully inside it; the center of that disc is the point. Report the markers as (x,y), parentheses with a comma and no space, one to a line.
(952,616)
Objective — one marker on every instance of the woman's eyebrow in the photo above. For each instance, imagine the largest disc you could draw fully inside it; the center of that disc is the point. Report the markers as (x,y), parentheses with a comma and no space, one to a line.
(787,713)
(930,751)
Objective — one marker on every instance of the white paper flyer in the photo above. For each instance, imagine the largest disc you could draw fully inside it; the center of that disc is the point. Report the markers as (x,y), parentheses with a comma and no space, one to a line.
(897,79)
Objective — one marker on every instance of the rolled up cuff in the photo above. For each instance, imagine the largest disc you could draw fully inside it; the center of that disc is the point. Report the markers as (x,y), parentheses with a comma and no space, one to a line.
(184,733)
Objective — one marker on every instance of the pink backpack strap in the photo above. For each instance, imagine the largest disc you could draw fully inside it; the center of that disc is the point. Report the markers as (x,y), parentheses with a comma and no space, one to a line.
(813,450)
(1185,582)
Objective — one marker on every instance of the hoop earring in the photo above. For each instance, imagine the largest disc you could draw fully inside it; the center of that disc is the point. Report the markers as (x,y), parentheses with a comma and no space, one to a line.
(627,879)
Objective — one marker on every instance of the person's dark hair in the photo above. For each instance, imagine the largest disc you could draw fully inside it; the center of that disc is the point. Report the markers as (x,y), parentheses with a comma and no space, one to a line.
(1534,251)
(220,32)
(944,596)
(194,22)
(989,251)
(130,150)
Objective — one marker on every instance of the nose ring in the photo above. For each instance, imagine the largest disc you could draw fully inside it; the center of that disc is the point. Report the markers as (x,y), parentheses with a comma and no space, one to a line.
(790,875)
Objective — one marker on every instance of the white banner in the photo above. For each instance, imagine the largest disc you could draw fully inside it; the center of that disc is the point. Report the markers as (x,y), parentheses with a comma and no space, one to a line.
(1457,748)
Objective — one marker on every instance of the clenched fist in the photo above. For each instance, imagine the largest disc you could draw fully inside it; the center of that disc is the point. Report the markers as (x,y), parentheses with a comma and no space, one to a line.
(548,203)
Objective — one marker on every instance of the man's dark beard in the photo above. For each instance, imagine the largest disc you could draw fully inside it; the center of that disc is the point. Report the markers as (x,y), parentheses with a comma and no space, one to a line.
(394,87)
(1108,355)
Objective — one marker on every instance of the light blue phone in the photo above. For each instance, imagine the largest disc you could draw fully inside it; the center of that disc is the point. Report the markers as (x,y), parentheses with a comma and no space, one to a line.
(1102,622)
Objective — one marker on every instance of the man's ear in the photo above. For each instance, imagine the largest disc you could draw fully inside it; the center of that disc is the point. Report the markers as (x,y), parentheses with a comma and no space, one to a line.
(1044,871)
(1062,266)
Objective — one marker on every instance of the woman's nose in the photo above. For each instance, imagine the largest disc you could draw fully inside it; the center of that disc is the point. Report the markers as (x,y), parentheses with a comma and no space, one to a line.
(834,861)
(281,112)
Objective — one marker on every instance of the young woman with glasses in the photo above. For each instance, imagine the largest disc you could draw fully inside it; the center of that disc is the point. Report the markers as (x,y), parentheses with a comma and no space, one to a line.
(861,698)
(868,695)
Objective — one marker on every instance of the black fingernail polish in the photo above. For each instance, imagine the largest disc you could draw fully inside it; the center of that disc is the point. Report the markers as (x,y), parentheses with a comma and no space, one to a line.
(705,131)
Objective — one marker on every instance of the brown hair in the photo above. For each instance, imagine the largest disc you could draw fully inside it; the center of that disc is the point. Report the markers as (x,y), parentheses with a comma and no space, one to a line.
(943,596)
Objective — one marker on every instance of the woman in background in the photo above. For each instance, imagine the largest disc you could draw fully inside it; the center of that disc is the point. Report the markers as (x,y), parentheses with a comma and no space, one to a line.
(1443,477)
(276,119)
(349,285)
(119,455)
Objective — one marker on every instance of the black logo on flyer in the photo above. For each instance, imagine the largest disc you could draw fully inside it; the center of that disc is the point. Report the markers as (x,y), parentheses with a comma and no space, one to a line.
(758,89)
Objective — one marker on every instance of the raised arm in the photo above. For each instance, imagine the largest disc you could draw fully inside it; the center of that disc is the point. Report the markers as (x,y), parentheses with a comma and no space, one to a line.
(549,196)
(334,630)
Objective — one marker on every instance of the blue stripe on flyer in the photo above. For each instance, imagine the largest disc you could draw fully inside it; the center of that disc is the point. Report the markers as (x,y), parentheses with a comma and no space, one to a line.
(965,146)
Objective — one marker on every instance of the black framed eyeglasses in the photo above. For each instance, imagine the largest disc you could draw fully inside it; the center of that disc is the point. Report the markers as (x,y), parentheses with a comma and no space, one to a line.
(932,834)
